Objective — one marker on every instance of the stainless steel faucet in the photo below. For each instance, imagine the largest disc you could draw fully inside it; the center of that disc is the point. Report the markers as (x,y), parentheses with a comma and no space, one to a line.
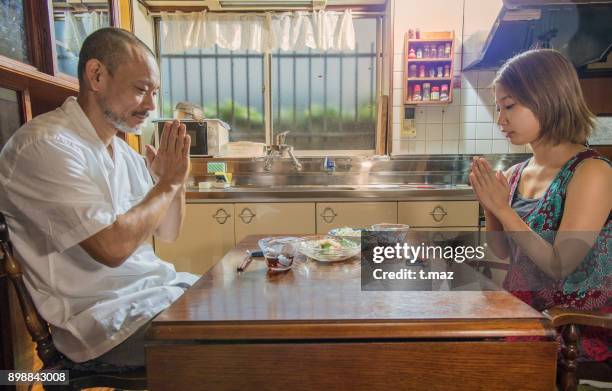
(280,149)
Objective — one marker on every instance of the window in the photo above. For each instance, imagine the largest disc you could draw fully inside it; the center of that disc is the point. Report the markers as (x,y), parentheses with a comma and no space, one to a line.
(10,120)
(13,39)
(327,100)
(227,84)
(72,24)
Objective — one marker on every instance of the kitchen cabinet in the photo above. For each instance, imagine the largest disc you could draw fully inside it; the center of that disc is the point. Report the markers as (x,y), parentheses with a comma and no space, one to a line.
(354,214)
(208,233)
(437,214)
(274,218)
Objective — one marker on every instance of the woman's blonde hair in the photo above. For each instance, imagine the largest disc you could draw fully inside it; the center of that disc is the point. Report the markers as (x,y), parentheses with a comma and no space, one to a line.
(546,82)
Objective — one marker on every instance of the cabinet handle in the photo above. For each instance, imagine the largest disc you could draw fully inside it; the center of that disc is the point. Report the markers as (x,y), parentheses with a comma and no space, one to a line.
(221,216)
(328,215)
(247,215)
(438,213)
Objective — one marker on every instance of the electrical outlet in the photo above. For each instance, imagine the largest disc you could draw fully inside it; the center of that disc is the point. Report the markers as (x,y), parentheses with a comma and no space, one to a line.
(408,124)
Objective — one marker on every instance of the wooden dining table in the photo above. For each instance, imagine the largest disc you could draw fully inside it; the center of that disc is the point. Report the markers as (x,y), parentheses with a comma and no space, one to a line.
(315,328)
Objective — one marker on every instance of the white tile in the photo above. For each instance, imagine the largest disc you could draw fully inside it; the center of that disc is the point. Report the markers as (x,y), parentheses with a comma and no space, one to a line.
(482,146)
(468,131)
(485,78)
(516,148)
(398,96)
(412,147)
(469,96)
(396,131)
(467,146)
(397,114)
(421,131)
(420,115)
(499,146)
(450,147)
(497,133)
(451,115)
(434,132)
(419,147)
(468,113)
(434,114)
(398,80)
(485,113)
(483,131)
(451,132)
(398,62)
(486,96)
(456,97)
(433,147)
(395,147)
(469,58)
(469,78)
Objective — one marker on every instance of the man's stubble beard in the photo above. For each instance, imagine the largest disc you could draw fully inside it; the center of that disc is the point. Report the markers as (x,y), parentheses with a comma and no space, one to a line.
(114,119)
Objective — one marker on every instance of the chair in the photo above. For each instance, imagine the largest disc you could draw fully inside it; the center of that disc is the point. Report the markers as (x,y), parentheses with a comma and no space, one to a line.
(566,322)
(570,371)
(80,376)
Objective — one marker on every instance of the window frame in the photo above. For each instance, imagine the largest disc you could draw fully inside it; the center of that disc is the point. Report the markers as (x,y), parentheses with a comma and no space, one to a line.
(268,90)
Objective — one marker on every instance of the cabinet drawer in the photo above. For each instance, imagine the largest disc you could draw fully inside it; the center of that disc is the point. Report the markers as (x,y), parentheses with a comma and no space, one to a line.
(207,235)
(354,214)
(438,213)
(274,219)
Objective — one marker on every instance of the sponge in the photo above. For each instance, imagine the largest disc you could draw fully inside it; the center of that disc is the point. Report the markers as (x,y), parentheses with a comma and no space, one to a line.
(213,167)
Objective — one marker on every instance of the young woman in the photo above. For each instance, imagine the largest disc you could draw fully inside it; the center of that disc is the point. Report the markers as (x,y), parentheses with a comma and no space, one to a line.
(552,213)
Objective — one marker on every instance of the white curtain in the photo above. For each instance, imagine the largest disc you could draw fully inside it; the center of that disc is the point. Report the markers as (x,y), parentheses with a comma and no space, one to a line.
(321,30)
(77,28)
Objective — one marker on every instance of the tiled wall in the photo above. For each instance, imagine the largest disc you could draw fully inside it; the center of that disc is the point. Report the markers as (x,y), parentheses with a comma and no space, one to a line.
(467,125)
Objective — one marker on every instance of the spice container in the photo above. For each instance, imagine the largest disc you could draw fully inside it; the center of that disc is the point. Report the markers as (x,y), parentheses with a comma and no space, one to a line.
(447,70)
(440,71)
(432,72)
(426,52)
(410,33)
(441,51)
(419,53)
(421,70)
(444,92)
(435,93)
(416,92)
(412,70)
(426,91)
(417,34)
(447,50)
(411,53)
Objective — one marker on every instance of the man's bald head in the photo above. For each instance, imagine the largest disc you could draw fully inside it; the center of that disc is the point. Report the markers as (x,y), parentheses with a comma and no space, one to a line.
(111,46)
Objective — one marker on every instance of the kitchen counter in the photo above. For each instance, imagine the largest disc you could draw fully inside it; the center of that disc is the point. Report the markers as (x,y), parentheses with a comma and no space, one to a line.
(296,193)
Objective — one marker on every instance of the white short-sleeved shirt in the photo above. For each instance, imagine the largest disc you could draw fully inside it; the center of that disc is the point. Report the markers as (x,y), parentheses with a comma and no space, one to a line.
(59,186)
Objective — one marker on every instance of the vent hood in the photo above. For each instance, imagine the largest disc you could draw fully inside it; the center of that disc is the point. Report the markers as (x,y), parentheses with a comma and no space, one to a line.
(580,29)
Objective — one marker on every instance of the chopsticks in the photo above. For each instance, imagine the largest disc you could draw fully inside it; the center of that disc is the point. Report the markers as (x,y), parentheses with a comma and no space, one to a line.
(245,262)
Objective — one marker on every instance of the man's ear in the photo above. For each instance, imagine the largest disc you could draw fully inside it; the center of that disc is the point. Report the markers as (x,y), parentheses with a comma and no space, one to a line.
(95,74)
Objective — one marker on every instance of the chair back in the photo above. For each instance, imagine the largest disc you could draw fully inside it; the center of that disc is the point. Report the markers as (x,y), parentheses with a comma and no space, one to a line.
(36,325)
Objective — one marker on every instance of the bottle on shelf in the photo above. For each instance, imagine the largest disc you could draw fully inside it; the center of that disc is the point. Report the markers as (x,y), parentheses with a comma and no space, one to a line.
(412,70)
(426,91)
(444,92)
(422,71)
(411,53)
(435,93)
(416,93)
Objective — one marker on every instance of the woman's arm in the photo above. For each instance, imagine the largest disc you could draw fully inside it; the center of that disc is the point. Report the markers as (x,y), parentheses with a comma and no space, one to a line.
(587,206)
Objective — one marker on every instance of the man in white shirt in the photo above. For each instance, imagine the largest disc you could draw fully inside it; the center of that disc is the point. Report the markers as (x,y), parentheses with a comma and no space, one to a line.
(81,204)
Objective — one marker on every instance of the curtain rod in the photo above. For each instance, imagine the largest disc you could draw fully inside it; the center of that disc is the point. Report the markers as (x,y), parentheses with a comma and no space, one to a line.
(355,13)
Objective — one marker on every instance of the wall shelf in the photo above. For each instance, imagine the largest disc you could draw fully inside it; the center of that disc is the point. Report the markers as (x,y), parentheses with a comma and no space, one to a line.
(433,41)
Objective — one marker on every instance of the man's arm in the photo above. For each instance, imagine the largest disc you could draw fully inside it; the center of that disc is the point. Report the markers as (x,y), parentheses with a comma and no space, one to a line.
(114,244)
